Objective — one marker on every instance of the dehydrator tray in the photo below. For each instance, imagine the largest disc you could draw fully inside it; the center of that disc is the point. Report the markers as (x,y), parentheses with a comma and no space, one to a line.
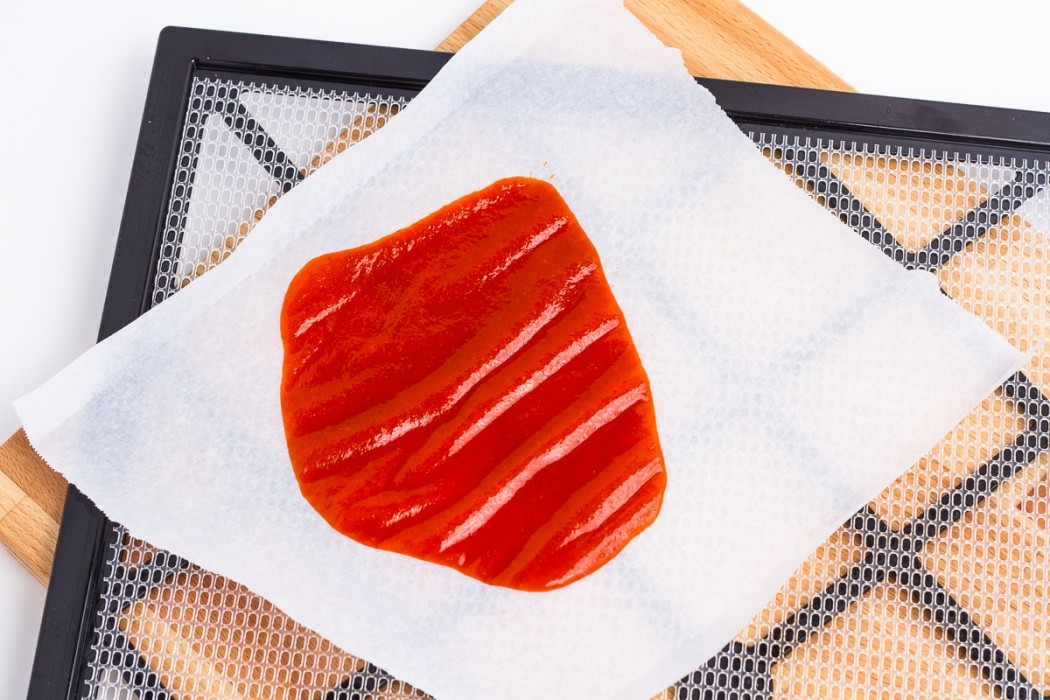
(940,587)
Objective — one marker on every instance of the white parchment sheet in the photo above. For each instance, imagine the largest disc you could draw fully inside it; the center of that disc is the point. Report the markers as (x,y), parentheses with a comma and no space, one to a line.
(795,371)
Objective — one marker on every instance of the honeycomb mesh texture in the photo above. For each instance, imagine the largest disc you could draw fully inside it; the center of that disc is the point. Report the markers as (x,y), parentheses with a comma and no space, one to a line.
(938,588)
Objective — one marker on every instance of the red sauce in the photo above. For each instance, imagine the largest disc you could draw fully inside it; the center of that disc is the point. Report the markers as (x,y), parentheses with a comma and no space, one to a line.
(466,391)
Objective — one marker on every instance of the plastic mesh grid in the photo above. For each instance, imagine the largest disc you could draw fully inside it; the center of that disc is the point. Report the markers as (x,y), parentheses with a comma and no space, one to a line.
(940,587)
(243,145)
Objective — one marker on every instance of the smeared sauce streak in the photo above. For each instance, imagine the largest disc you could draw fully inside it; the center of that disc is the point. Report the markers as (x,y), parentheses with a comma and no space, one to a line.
(465,391)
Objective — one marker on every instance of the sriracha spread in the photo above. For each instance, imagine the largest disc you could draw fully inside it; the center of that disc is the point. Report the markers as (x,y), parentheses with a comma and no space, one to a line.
(465,391)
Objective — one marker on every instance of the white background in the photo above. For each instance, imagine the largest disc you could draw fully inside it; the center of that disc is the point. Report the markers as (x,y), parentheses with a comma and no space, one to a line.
(76,80)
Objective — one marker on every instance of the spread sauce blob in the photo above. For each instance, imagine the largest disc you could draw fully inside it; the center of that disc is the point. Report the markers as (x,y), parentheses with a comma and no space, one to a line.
(465,391)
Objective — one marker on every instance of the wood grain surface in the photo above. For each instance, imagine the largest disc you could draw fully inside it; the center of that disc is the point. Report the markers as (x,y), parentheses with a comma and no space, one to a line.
(31,498)
(718,39)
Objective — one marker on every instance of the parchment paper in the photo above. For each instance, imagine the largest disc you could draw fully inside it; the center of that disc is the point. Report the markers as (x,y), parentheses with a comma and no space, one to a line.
(795,371)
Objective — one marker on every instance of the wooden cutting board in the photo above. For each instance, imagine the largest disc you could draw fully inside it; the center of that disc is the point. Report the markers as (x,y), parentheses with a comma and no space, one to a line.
(718,39)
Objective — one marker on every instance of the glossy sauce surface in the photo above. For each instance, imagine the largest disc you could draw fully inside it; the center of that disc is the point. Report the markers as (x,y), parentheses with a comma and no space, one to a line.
(465,391)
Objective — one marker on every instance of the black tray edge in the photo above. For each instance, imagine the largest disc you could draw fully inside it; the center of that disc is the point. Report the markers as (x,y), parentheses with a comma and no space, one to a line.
(68,614)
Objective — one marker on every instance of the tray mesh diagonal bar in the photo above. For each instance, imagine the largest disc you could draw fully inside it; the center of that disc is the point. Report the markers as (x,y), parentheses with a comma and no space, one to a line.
(938,588)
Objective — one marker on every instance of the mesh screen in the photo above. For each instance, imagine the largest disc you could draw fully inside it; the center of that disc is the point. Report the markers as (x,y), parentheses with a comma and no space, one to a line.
(940,587)
(243,145)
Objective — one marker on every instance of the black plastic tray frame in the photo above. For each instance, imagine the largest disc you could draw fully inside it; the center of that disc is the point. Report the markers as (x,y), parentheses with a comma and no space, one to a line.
(183,53)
